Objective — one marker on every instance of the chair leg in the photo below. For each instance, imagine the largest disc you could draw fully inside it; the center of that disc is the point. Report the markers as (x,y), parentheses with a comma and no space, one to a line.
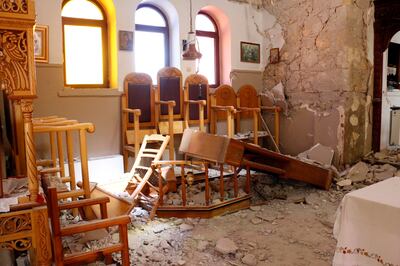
(123,235)
(125,159)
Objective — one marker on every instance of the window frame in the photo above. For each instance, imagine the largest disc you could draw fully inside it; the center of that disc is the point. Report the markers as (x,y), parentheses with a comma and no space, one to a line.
(157,29)
(103,24)
(214,35)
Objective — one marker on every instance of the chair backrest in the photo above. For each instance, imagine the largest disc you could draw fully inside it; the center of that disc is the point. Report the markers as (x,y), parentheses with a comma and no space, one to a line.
(139,94)
(224,95)
(72,131)
(197,88)
(247,97)
(169,87)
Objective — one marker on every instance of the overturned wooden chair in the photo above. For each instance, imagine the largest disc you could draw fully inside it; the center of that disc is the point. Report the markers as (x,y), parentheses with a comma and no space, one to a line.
(138,113)
(82,258)
(124,192)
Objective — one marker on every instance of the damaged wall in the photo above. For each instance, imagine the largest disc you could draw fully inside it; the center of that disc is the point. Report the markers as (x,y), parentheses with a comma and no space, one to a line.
(326,70)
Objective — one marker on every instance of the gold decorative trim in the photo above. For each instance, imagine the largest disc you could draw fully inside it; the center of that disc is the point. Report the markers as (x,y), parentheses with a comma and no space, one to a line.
(19,244)
(14,6)
(13,224)
(14,70)
(45,253)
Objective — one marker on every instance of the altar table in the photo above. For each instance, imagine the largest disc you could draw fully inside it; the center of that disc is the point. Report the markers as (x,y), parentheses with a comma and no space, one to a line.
(367,226)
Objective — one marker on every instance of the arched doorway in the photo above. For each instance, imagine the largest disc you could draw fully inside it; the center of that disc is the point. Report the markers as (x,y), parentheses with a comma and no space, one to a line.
(387,24)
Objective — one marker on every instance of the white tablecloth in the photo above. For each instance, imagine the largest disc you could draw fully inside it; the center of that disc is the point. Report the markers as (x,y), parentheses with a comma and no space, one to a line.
(367,226)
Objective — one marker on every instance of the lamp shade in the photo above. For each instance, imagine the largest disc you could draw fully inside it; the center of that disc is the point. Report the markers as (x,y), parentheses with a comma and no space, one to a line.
(191,52)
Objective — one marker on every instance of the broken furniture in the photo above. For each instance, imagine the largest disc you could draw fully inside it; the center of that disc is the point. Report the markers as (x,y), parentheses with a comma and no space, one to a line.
(250,156)
(138,117)
(367,225)
(196,103)
(59,231)
(233,192)
(123,192)
(71,132)
(25,226)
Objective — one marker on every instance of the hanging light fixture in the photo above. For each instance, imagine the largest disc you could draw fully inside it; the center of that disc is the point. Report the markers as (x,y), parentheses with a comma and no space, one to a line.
(191,52)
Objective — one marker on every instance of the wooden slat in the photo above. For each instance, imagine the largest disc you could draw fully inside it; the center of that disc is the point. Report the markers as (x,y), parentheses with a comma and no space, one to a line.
(71,194)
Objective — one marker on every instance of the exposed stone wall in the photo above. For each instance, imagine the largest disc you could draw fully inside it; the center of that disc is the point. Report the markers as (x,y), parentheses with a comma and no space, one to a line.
(326,72)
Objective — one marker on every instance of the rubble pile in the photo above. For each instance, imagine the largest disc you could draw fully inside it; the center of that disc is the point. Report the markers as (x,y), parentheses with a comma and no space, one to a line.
(285,215)
(378,167)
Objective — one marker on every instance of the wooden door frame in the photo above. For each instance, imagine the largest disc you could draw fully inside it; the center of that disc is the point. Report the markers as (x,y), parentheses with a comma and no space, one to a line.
(387,23)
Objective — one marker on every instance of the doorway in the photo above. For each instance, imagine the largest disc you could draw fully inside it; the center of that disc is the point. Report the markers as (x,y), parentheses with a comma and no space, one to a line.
(387,24)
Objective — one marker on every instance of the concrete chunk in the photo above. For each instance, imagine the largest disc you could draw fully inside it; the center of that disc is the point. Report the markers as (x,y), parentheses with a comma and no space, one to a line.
(358,172)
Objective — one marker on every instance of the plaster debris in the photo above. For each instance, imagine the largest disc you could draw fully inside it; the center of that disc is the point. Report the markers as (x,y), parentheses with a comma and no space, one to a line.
(225,246)
(344,183)
(185,227)
(275,97)
(318,153)
(249,259)
(358,172)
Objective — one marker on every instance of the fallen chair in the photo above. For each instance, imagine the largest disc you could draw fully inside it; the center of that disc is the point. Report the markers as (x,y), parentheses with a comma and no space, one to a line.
(90,256)
(124,192)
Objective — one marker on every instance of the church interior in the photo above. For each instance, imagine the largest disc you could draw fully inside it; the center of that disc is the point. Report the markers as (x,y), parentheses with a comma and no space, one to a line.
(199,132)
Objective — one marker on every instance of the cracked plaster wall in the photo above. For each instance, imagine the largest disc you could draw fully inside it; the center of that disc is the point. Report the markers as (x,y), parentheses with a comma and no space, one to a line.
(326,69)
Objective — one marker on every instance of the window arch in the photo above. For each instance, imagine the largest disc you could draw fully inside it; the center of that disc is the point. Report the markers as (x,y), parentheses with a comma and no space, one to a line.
(208,37)
(151,40)
(85,44)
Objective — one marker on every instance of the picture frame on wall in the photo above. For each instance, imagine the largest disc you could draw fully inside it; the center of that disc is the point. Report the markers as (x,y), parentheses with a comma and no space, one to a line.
(125,40)
(274,55)
(41,43)
(250,52)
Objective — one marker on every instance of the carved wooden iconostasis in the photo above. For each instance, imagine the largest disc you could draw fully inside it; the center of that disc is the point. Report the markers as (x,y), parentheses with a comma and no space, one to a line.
(25,226)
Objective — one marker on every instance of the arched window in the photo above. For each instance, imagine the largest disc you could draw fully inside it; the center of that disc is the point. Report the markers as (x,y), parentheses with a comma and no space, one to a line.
(85,44)
(151,40)
(208,38)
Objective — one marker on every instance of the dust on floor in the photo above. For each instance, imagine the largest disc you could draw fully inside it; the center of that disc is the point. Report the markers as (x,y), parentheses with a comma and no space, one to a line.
(292,231)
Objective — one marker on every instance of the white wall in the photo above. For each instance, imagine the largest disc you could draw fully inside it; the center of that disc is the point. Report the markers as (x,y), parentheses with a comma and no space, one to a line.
(245,22)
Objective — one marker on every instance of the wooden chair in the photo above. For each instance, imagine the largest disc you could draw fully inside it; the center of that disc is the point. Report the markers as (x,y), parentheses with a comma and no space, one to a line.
(248,105)
(78,130)
(169,104)
(53,165)
(85,257)
(223,107)
(138,113)
(249,98)
(196,101)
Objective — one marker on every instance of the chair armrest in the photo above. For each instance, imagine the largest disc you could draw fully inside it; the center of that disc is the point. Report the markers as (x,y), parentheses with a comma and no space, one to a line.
(83,203)
(132,111)
(249,109)
(93,225)
(224,108)
(199,102)
(169,103)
